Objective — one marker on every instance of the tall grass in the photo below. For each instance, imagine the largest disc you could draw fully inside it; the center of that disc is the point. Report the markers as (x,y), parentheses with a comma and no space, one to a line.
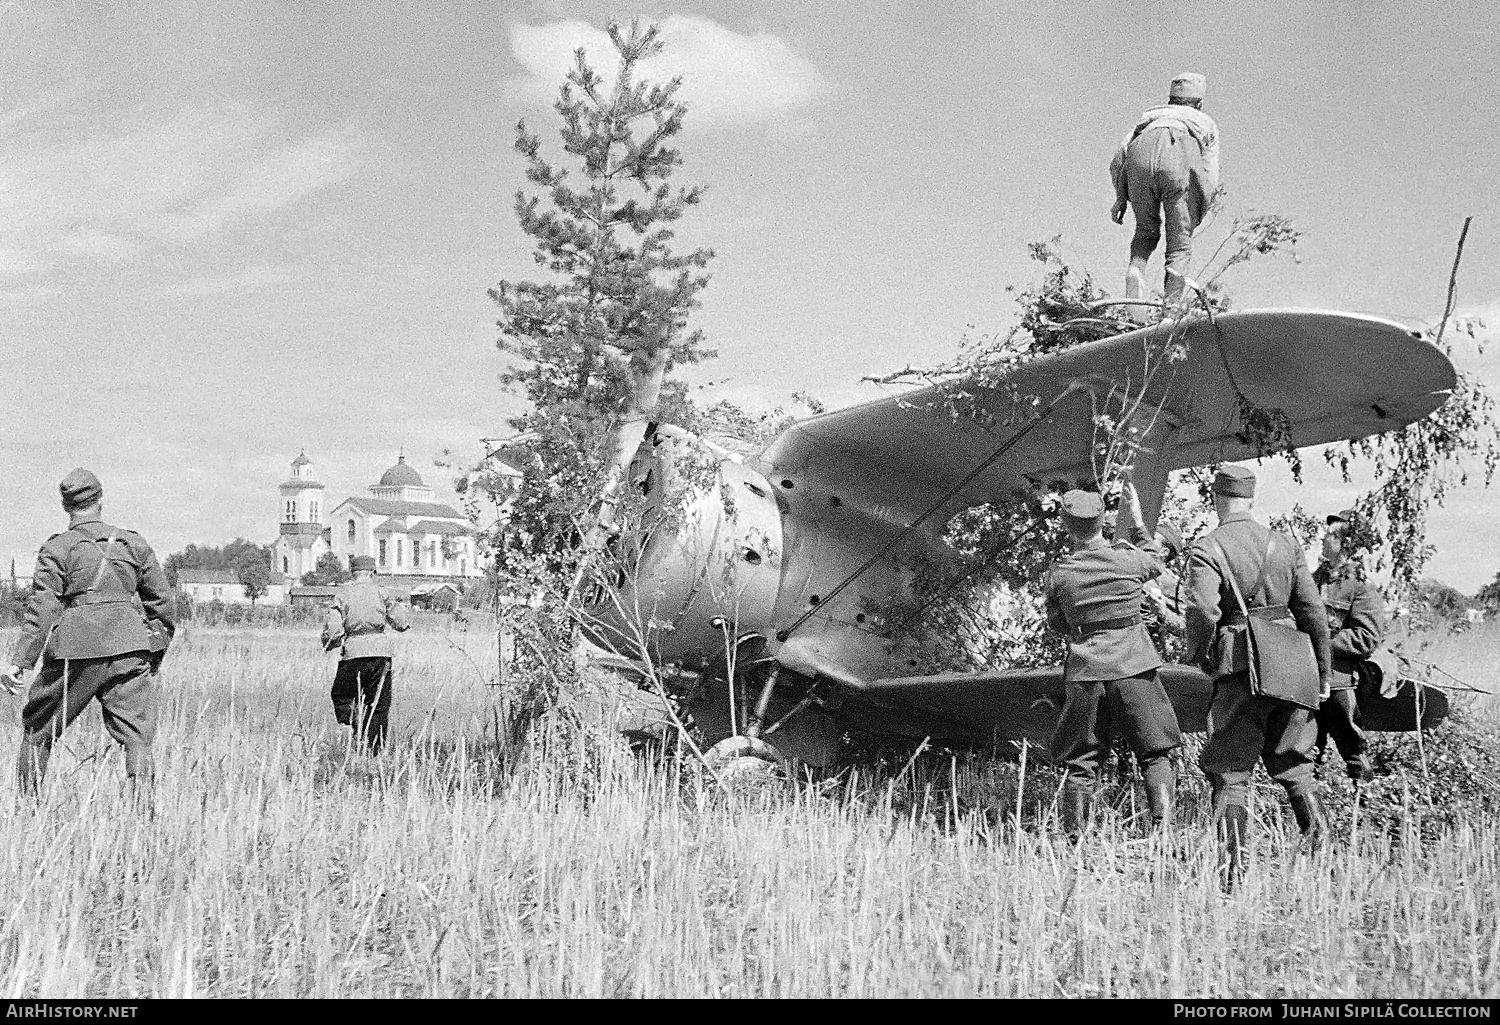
(276,865)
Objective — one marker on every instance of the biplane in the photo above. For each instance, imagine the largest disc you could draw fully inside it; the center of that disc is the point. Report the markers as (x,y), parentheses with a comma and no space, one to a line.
(755,602)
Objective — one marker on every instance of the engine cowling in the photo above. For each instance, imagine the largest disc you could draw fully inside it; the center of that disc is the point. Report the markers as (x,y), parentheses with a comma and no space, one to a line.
(708,571)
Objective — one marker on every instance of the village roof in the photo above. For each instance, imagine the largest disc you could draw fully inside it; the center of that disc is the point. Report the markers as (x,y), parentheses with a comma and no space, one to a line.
(207,576)
(394,525)
(295,483)
(301,459)
(217,576)
(439,527)
(392,507)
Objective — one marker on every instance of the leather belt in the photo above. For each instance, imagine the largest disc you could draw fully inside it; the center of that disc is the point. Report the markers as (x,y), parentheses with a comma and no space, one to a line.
(1264,612)
(97,598)
(1083,630)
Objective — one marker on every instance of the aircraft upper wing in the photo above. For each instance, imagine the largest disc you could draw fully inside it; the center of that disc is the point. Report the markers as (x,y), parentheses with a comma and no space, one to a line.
(1335,376)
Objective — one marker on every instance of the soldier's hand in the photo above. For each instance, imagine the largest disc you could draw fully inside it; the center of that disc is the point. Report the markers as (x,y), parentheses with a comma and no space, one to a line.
(1117,212)
(1325,689)
(11,679)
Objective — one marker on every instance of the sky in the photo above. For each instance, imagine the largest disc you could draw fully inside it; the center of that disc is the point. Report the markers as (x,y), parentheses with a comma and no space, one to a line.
(233,232)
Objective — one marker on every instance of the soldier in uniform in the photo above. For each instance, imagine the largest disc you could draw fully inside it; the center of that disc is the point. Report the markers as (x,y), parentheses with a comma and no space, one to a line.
(1244,726)
(100,621)
(1162,606)
(1093,595)
(1356,626)
(356,625)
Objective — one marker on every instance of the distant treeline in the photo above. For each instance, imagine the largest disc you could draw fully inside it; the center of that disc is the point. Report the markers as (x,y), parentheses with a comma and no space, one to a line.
(232,556)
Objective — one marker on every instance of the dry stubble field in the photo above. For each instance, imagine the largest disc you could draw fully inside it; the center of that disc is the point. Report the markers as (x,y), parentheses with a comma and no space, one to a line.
(274,866)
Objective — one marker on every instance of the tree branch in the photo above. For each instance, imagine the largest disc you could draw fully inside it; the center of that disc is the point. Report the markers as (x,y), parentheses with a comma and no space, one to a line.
(1453,281)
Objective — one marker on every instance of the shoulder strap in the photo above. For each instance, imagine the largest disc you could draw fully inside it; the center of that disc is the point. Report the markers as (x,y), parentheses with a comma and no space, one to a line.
(1265,567)
(1234,585)
(103,563)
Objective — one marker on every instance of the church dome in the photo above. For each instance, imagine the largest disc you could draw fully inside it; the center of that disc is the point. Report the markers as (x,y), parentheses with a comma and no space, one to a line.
(401,476)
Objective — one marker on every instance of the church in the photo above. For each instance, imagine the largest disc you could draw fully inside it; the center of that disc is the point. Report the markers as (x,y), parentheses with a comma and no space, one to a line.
(417,543)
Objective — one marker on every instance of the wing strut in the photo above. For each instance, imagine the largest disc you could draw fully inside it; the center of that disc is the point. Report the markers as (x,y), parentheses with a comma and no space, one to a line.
(1005,446)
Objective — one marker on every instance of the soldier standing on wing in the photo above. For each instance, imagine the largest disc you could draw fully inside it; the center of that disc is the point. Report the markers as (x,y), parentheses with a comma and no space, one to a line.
(99,619)
(1244,726)
(1167,170)
(356,624)
(1356,625)
(1093,596)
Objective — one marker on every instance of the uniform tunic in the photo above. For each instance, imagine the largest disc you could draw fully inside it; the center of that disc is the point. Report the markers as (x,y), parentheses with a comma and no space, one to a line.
(357,622)
(1168,169)
(93,639)
(1357,625)
(1244,726)
(1110,673)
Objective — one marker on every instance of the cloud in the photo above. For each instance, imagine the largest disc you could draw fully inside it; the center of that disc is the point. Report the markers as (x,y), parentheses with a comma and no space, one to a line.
(110,196)
(279,179)
(728,77)
(247,279)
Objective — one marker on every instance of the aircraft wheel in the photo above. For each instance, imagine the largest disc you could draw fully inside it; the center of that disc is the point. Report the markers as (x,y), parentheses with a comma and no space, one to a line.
(740,758)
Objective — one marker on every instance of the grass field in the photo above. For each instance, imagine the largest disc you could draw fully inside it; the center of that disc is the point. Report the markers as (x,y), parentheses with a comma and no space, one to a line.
(275,866)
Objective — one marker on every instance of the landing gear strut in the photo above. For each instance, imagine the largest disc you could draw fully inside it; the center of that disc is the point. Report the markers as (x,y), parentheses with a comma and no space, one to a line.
(746,756)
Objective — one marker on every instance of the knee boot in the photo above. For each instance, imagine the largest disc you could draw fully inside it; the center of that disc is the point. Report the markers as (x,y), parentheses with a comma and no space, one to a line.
(1075,808)
(1161,791)
(1234,844)
(1310,817)
(31,766)
(1159,799)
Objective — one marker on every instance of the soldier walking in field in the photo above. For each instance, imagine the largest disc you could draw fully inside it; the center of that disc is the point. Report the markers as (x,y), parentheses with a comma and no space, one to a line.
(356,625)
(1242,560)
(1093,596)
(99,619)
(1356,627)
(1167,169)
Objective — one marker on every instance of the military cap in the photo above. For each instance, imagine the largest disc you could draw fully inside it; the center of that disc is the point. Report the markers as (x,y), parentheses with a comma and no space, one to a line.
(1358,531)
(1234,482)
(79,489)
(1169,536)
(1082,505)
(362,562)
(1349,516)
(1188,86)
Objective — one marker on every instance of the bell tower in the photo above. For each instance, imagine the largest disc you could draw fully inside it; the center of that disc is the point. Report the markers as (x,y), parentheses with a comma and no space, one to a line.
(302,499)
(301,516)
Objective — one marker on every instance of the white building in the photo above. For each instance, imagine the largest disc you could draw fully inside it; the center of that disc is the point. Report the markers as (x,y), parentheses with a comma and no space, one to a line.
(303,538)
(223,585)
(409,534)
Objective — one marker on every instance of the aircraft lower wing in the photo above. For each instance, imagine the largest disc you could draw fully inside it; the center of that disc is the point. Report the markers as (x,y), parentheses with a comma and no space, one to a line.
(1333,376)
(999,708)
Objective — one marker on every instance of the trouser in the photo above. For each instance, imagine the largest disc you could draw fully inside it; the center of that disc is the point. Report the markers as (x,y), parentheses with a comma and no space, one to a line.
(1338,718)
(362,698)
(1136,707)
(128,695)
(1158,178)
(1243,727)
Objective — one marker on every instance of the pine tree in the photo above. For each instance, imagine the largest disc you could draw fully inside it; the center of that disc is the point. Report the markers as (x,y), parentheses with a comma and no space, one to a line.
(595,342)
